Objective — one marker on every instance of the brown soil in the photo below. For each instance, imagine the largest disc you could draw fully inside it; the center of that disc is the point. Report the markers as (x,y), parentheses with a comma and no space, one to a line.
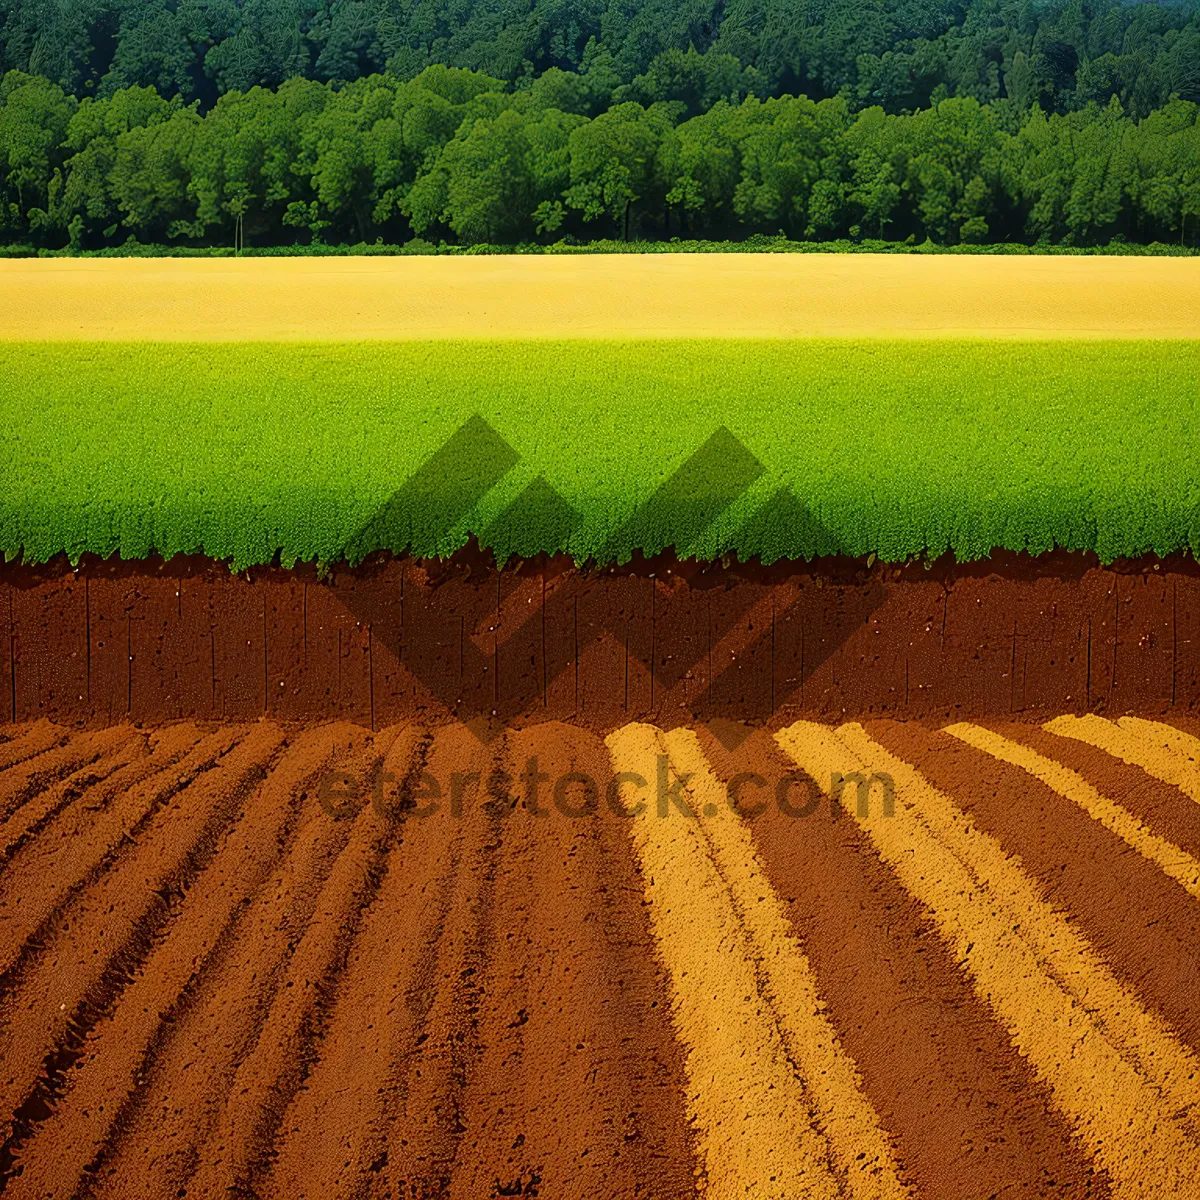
(210,984)
(676,642)
(1145,925)
(303,891)
(967,1116)
(220,977)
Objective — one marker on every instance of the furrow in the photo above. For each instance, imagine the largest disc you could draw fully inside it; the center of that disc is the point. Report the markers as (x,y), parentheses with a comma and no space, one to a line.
(966,1114)
(500,993)
(83,785)
(756,1120)
(31,740)
(862,1153)
(97,947)
(1166,753)
(1131,913)
(333,1139)
(1130,1088)
(429,1125)
(1175,863)
(121,1049)
(83,841)
(580,1083)
(158,1139)
(26,779)
(1158,805)
(1186,746)
(239,1144)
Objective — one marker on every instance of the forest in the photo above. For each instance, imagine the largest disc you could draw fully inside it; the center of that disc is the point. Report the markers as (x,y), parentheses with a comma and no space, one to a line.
(270,122)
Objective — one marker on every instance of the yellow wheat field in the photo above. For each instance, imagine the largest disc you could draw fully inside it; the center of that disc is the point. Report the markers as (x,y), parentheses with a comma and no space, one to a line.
(602,296)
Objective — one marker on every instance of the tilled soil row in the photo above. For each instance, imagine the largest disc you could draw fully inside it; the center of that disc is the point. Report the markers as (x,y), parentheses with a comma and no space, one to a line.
(674,642)
(268,960)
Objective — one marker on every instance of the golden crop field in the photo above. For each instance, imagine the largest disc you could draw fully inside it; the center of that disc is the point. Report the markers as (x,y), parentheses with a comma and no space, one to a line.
(610,296)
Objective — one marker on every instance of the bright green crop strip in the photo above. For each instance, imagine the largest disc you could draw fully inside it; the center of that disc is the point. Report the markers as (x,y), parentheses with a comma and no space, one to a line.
(315,451)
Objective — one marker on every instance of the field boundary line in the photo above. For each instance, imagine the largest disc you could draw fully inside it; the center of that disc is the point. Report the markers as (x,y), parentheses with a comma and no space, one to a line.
(1130,1088)
(1171,859)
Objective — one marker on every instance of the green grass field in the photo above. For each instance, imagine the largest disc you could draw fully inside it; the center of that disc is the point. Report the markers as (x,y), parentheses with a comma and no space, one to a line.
(319,451)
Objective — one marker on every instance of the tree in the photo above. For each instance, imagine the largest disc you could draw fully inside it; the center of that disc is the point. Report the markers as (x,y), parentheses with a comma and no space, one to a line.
(613,162)
(954,166)
(700,162)
(1074,172)
(498,172)
(1020,82)
(152,49)
(337,154)
(1102,163)
(244,161)
(266,46)
(406,147)
(1058,54)
(878,163)
(87,199)
(476,157)
(788,146)
(1166,179)
(149,177)
(695,80)
(34,116)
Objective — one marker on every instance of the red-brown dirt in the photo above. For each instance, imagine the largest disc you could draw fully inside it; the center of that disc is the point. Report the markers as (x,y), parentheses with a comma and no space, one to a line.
(273,960)
(1127,907)
(675,642)
(968,1116)
(325,886)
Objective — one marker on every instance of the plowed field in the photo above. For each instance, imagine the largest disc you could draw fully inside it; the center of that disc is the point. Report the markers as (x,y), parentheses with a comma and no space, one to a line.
(873,960)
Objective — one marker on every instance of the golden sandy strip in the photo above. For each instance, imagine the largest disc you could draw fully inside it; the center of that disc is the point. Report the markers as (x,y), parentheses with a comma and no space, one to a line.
(774,1099)
(860,1148)
(600,296)
(1169,858)
(1159,733)
(1166,753)
(1131,1089)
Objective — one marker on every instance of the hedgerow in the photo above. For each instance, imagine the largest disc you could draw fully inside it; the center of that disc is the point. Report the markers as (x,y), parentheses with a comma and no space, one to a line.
(755,244)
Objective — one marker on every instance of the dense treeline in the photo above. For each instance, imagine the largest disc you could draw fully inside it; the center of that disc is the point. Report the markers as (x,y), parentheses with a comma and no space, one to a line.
(458,154)
(281,121)
(1060,54)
